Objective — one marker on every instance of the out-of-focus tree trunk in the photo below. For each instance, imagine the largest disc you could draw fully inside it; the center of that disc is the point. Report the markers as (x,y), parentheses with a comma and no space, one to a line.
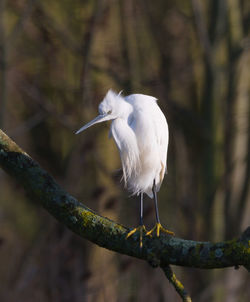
(3,64)
(62,58)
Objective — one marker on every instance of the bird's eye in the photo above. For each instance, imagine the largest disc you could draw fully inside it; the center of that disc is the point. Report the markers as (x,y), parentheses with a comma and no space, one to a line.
(109,112)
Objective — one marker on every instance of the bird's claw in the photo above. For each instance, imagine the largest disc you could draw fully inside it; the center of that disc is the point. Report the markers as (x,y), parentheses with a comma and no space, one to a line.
(158,227)
(141,229)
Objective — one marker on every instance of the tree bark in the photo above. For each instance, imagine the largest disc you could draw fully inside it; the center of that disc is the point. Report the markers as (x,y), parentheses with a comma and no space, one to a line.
(106,233)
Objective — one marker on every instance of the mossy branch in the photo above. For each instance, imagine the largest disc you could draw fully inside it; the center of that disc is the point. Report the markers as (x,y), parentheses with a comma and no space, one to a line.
(176,283)
(107,233)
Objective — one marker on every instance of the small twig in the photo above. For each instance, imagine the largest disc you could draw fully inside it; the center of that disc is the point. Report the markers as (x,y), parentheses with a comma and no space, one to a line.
(176,283)
(28,124)
(18,27)
(46,104)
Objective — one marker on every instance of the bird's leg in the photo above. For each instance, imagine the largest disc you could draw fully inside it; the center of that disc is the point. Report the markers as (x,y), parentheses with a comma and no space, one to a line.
(158,227)
(141,228)
(141,210)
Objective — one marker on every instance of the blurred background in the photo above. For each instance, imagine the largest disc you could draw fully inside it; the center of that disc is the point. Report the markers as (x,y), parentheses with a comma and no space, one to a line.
(57,60)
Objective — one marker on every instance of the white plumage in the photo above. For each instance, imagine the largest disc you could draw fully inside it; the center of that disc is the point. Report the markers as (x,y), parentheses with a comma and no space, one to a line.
(140,131)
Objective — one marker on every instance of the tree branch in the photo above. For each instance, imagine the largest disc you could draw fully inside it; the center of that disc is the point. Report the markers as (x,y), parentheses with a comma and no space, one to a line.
(176,283)
(108,234)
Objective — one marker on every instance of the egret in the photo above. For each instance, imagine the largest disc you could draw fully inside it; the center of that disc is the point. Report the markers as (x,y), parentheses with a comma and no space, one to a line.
(140,131)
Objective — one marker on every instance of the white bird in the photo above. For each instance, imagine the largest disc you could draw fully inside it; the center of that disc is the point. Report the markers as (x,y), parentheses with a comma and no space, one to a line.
(140,131)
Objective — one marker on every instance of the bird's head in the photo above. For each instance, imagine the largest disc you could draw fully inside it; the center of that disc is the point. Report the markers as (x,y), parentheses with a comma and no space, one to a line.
(109,109)
(110,105)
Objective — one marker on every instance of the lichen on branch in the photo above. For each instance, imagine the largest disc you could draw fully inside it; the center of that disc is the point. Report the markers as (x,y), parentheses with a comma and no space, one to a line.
(162,251)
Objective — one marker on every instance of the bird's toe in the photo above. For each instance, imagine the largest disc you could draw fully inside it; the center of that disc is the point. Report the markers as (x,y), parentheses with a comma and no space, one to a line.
(141,229)
(158,228)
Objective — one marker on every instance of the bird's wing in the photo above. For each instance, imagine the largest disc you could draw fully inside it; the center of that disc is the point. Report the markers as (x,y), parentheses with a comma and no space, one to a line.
(150,125)
(162,136)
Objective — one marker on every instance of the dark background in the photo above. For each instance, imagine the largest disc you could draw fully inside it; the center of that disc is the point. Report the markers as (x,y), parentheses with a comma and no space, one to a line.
(57,60)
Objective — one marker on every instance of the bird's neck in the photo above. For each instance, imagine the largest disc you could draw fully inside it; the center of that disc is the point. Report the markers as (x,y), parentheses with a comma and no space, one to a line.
(125,110)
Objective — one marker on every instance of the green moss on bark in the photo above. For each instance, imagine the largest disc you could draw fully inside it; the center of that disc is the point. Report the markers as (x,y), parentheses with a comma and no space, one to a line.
(162,251)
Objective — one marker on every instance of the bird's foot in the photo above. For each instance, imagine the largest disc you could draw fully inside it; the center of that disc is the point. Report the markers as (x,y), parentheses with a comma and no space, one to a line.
(141,229)
(158,227)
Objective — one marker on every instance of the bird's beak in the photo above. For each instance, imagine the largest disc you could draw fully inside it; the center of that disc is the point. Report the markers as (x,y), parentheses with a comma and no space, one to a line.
(100,118)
